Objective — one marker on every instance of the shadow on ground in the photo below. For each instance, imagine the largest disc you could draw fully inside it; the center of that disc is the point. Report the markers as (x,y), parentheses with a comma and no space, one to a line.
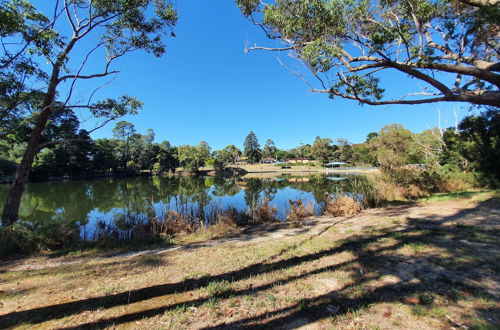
(426,276)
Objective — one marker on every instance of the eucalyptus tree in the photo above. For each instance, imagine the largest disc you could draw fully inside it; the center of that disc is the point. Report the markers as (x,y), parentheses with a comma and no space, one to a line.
(49,51)
(394,146)
(192,157)
(269,149)
(123,132)
(450,46)
(322,149)
(229,154)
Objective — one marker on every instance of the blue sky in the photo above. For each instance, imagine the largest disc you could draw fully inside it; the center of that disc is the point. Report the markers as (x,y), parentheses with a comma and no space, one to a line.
(207,88)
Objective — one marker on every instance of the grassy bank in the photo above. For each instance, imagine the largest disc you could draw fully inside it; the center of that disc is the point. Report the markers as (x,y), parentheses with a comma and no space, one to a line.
(418,265)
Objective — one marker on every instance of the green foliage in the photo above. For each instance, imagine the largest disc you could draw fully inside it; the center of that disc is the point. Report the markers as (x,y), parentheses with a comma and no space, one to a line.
(227,156)
(362,155)
(27,238)
(363,87)
(394,146)
(192,157)
(481,147)
(322,149)
(167,157)
(34,38)
(344,152)
(251,148)
(29,89)
(269,150)
(156,168)
(80,155)
(123,130)
(347,44)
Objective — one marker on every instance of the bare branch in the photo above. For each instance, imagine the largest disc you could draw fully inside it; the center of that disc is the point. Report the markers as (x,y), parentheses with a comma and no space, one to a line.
(268,49)
(68,16)
(371,102)
(479,3)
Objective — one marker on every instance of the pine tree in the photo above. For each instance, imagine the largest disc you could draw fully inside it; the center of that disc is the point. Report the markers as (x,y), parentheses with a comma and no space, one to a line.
(251,148)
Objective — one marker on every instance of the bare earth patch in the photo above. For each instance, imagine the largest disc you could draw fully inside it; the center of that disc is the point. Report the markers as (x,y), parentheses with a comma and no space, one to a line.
(411,266)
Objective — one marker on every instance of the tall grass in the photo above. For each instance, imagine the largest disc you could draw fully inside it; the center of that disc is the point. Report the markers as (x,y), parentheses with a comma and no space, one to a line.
(395,184)
(299,210)
(343,205)
(263,212)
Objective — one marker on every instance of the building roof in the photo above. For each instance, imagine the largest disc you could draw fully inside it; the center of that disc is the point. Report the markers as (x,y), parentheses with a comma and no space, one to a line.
(336,163)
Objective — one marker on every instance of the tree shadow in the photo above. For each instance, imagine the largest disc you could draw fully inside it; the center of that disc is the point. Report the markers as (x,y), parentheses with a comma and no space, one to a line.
(426,272)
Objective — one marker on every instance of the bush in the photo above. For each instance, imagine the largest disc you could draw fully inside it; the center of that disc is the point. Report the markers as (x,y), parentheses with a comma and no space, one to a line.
(156,168)
(264,212)
(402,183)
(26,238)
(299,210)
(343,205)
(454,179)
(7,167)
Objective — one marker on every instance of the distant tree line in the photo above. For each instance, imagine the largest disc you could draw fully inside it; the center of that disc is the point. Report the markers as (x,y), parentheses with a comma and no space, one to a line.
(471,146)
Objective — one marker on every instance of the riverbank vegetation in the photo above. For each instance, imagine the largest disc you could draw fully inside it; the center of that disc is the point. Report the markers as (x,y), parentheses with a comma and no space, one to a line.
(411,166)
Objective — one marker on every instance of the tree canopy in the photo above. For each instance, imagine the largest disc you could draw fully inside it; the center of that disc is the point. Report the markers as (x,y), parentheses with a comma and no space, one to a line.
(46,54)
(269,149)
(322,149)
(450,46)
(192,157)
(251,148)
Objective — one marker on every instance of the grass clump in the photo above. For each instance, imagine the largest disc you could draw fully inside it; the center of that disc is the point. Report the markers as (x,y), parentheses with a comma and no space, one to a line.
(219,289)
(299,210)
(343,205)
(264,212)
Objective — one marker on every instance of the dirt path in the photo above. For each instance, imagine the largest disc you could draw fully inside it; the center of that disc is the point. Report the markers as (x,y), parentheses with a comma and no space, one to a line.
(488,215)
(411,266)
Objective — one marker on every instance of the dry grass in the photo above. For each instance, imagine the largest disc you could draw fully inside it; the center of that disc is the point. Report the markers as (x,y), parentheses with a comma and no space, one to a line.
(418,272)
(454,185)
(387,190)
(176,224)
(264,212)
(299,210)
(226,225)
(343,205)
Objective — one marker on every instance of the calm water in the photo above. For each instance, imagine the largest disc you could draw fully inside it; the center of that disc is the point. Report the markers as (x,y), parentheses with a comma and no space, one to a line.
(89,201)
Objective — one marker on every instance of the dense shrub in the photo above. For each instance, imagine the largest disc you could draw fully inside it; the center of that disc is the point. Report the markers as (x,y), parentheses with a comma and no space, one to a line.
(299,210)
(26,238)
(7,167)
(264,212)
(343,205)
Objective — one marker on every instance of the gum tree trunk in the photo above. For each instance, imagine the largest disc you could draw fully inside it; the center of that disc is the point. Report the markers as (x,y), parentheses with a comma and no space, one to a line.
(11,207)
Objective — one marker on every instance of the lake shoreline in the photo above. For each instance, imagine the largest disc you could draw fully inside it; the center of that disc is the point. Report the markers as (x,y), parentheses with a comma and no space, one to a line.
(245,171)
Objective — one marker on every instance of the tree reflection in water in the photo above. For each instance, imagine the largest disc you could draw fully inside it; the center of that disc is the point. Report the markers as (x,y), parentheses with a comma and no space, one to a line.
(90,202)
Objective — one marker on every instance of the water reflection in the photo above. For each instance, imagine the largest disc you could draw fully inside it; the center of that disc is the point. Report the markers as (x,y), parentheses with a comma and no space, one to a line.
(93,201)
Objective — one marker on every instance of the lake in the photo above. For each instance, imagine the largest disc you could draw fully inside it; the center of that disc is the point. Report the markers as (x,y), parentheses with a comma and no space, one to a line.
(90,202)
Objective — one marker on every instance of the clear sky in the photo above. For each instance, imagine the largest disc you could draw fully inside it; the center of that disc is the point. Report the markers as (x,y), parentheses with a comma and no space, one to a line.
(207,88)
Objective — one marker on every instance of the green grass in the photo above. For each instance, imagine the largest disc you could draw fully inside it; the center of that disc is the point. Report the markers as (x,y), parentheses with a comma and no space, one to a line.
(417,247)
(196,276)
(449,196)
(219,289)
(478,195)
